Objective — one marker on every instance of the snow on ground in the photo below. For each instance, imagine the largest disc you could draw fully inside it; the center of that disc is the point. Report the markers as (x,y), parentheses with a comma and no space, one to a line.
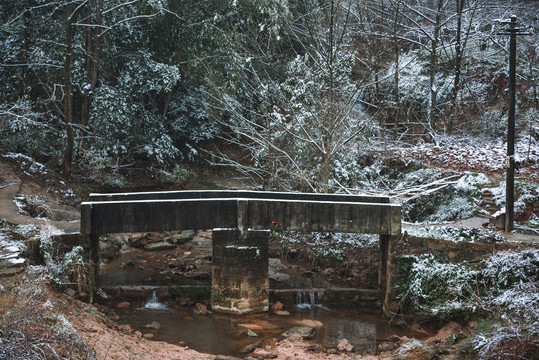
(478,155)
(450,233)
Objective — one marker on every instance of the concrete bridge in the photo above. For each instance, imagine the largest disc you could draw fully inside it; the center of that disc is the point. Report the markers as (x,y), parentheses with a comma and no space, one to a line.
(242,222)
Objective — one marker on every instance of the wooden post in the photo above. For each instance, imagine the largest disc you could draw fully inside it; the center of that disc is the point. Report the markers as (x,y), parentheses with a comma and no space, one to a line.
(510,178)
(512,31)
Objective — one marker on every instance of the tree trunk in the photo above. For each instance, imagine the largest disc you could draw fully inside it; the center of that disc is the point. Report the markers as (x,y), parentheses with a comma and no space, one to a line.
(68,101)
(93,38)
(396,80)
(326,172)
(433,68)
(458,61)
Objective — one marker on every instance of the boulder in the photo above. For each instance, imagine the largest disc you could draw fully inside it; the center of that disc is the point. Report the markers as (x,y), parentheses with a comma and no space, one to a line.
(313,323)
(251,347)
(344,345)
(162,245)
(277,276)
(328,272)
(306,332)
(264,354)
(276,264)
(281,313)
(129,264)
(182,237)
(315,348)
(251,333)
(387,346)
(201,309)
(123,305)
(153,325)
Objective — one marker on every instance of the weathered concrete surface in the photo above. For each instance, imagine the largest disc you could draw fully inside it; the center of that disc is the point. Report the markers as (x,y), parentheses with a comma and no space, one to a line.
(294,215)
(384,271)
(240,260)
(247,194)
(334,297)
(240,282)
(156,215)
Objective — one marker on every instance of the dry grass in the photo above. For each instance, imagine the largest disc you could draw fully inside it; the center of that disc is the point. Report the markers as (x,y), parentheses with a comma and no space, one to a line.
(31,330)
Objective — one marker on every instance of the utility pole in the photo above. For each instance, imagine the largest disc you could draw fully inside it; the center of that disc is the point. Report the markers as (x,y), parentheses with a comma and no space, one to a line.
(513,31)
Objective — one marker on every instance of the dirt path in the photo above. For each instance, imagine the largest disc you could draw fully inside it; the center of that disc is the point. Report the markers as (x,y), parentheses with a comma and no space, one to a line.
(10,186)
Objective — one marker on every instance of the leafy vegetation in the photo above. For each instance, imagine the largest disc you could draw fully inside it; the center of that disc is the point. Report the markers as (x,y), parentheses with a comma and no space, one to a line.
(501,289)
(303,89)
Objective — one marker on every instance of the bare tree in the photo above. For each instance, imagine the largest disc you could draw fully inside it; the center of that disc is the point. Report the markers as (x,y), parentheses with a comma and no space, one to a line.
(300,126)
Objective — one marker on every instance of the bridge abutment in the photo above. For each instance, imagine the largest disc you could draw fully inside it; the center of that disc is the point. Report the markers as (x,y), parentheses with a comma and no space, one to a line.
(240,282)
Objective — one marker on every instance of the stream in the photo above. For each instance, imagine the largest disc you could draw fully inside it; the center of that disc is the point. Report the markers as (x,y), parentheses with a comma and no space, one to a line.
(227,334)
(154,284)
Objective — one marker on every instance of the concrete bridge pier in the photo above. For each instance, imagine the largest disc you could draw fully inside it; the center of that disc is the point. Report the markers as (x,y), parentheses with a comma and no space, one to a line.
(240,280)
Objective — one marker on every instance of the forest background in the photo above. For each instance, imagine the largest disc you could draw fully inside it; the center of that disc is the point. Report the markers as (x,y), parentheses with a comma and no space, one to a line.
(293,94)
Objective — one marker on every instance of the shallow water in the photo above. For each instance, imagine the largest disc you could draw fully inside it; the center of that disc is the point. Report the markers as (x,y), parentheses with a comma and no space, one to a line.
(227,334)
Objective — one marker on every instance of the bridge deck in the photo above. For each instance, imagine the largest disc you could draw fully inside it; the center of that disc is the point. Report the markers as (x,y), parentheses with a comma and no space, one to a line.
(247,194)
(177,210)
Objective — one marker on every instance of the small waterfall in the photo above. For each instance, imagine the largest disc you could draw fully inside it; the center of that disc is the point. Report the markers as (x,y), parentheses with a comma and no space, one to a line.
(153,303)
(309,298)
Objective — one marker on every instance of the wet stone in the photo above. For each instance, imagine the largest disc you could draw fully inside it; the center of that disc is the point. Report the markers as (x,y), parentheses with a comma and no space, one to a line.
(281,312)
(201,309)
(387,346)
(129,264)
(226,357)
(344,345)
(306,332)
(276,264)
(251,347)
(277,276)
(315,348)
(182,237)
(154,325)
(162,245)
(264,354)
